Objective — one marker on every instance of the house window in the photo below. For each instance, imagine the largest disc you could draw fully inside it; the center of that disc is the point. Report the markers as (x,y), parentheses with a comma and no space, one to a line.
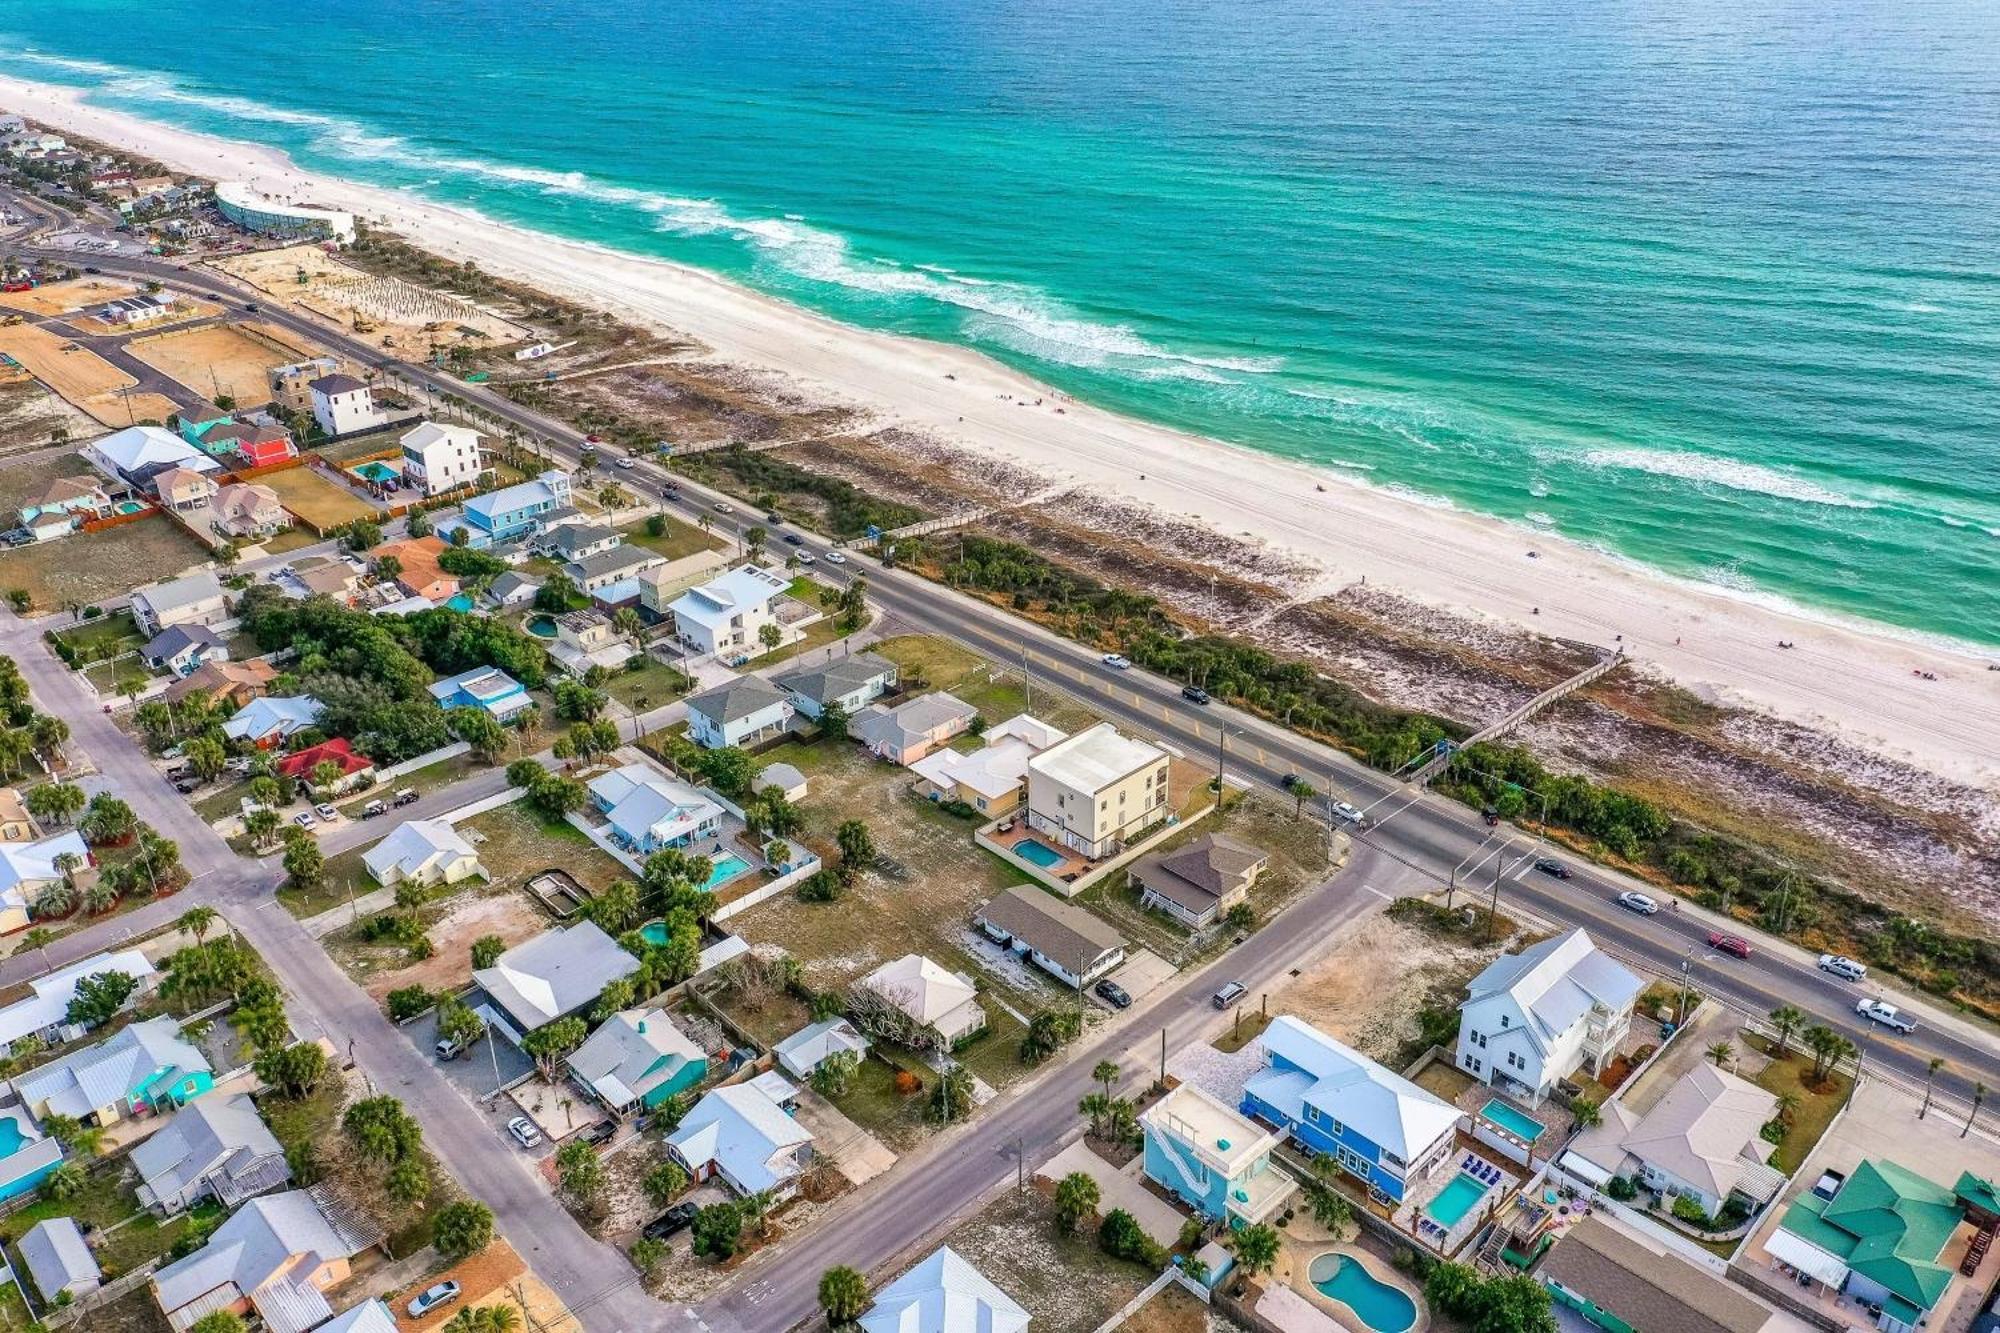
(1354,1161)
(1472,1063)
(1505,1021)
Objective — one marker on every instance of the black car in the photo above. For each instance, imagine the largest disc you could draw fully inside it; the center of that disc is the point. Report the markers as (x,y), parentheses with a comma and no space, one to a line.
(1289,781)
(92,268)
(793,539)
(1112,994)
(676,1219)
(600,1132)
(671,491)
(250,306)
(1548,865)
(774,518)
(187,786)
(1194,694)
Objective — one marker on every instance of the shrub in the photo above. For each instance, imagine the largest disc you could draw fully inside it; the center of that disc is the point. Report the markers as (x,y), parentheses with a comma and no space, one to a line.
(1622,1189)
(406,1002)
(1687,1210)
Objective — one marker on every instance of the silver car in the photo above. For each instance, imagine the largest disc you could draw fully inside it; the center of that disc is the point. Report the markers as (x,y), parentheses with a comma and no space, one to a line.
(1634,901)
(430,1298)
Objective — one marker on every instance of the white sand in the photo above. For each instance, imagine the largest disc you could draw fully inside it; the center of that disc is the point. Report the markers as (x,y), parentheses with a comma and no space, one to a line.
(1855,681)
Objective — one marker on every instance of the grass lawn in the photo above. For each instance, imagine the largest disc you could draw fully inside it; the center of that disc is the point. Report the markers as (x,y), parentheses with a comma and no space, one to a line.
(291,539)
(1244,1027)
(130,1235)
(126,675)
(1817,1103)
(996,690)
(106,636)
(319,503)
(657,682)
(13,1308)
(898,1119)
(515,844)
(91,566)
(681,538)
(816,636)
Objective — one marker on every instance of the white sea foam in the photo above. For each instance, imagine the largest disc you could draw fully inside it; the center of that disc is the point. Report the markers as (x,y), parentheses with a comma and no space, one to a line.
(1011,315)
(1729,472)
(1540,519)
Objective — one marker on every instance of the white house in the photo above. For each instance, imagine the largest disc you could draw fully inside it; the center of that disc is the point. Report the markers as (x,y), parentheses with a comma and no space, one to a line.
(944,1294)
(807,1049)
(1097,789)
(743,712)
(852,682)
(936,998)
(440,458)
(28,868)
(59,1259)
(192,599)
(343,405)
(725,615)
(140,452)
(649,811)
(1065,941)
(267,721)
(48,1007)
(218,1147)
(1537,1016)
(1701,1141)
(994,778)
(740,1135)
(422,851)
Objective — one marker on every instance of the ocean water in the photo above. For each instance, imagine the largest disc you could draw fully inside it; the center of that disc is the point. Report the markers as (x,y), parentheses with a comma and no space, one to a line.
(1714,286)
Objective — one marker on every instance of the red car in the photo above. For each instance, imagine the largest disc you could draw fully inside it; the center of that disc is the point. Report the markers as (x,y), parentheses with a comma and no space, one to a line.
(1728,944)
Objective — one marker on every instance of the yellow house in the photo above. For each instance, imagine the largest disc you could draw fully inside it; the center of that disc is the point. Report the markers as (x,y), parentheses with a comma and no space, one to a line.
(1094,791)
(16,824)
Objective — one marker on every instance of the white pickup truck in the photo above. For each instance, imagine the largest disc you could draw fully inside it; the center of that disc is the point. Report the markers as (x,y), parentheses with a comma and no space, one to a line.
(1879,1011)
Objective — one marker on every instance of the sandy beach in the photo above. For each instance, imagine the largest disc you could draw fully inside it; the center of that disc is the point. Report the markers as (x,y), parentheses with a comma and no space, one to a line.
(1861,684)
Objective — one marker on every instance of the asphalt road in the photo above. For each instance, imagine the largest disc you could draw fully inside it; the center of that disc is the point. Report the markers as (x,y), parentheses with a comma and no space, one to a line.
(1414,839)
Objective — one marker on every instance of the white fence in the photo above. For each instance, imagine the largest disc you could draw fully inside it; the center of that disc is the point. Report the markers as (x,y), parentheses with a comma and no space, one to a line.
(437,756)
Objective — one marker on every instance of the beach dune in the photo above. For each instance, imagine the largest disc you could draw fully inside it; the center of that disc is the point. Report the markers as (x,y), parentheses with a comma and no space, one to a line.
(1861,683)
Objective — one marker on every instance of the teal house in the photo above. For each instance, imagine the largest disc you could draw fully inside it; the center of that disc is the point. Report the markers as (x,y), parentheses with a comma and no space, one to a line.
(1213,1158)
(139,1070)
(26,1154)
(635,1060)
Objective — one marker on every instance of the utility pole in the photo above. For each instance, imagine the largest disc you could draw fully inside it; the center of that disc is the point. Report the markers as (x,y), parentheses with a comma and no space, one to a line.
(1687,968)
(1221,750)
(1027,680)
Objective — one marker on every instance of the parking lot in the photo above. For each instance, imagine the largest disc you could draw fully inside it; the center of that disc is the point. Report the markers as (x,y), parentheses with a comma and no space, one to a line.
(473,1073)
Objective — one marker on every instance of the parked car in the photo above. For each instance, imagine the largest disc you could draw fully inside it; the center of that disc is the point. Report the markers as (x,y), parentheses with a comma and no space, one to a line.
(1842,966)
(188,786)
(524,1132)
(326,812)
(774,518)
(835,558)
(1116,661)
(430,1298)
(1113,994)
(1229,996)
(676,1219)
(404,796)
(1195,694)
(1880,1011)
(1548,865)
(449,1048)
(304,819)
(1730,944)
(793,539)
(92,268)
(374,808)
(601,1132)
(1642,903)
(1349,812)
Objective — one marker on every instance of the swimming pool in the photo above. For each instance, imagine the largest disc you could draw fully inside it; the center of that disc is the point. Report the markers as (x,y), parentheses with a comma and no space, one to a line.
(654,932)
(1381,1307)
(459,602)
(127,507)
(1455,1200)
(376,471)
(542,627)
(1037,852)
(1514,1122)
(12,1137)
(728,868)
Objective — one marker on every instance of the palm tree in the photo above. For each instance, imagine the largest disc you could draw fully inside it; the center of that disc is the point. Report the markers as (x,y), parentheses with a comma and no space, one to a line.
(843,1295)
(198,921)
(1930,1078)
(1978,1100)
(757,1207)
(1788,1105)
(1106,1073)
(1787,1019)
(1302,791)
(1586,1113)
(1720,1052)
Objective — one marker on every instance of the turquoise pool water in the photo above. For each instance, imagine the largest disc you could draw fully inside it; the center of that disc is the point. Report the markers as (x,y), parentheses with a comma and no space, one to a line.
(1380,1306)
(1043,855)
(375,471)
(12,1140)
(542,627)
(1514,1122)
(127,507)
(459,603)
(1455,1200)
(728,868)
(654,932)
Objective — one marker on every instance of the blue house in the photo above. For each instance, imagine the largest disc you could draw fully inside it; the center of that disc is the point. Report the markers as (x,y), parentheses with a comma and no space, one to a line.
(1329,1098)
(486,688)
(514,511)
(1212,1159)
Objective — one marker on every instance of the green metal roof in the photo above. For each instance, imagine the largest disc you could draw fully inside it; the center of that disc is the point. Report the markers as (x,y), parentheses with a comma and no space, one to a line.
(1978,1191)
(1889,1224)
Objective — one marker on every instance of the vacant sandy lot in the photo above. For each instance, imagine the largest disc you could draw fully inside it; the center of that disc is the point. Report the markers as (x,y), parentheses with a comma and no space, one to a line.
(465,919)
(1367,989)
(91,566)
(494,1276)
(405,311)
(83,377)
(320,503)
(58,298)
(233,359)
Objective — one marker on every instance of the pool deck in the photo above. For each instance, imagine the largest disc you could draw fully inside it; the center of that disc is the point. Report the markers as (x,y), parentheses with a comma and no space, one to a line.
(1305,1243)
(1413,1217)
(1069,864)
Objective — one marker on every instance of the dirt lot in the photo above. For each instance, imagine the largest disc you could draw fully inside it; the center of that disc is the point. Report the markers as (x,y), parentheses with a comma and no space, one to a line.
(31,416)
(58,298)
(217,359)
(396,308)
(456,921)
(514,845)
(494,1276)
(1366,991)
(1065,1283)
(24,483)
(83,377)
(319,503)
(88,567)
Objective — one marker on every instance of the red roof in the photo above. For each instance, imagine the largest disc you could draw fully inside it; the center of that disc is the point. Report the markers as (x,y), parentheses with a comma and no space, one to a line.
(338,751)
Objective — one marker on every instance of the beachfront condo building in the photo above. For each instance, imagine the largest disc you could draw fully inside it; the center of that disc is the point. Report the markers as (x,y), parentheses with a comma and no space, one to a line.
(1097,789)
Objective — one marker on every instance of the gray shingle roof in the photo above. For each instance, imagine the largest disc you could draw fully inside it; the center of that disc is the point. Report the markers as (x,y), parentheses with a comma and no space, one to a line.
(841,676)
(554,973)
(737,700)
(1054,929)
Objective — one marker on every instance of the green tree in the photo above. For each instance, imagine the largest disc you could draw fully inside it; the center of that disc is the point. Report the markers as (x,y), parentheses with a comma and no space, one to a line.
(580,1171)
(64,1182)
(664,1183)
(843,1295)
(549,1044)
(218,1321)
(198,921)
(1787,1019)
(305,864)
(462,1230)
(261,826)
(833,722)
(951,1096)
(98,996)
(1586,1112)
(205,755)
(1077,1197)
(456,1022)
(717,1232)
(835,1074)
(480,730)
(486,951)
(107,820)
(406,1002)
(857,845)
(292,1071)
(57,802)
(382,1129)
(1256,1248)
(1720,1052)
(647,1254)
(1302,791)
(408,1181)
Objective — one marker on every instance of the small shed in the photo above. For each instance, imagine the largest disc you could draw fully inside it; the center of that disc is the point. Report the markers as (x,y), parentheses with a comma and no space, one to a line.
(59,1259)
(786,779)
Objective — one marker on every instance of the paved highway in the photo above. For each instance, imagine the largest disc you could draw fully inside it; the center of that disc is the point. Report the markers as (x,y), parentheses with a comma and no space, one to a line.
(1415,838)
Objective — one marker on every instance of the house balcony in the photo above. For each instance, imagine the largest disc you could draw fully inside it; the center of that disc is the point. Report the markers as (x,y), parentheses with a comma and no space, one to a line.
(1259,1197)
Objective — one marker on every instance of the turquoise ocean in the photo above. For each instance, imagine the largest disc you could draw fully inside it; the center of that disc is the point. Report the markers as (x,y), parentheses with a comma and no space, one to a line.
(1712,285)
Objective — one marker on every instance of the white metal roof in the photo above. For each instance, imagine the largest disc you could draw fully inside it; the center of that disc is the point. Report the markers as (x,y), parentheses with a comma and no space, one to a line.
(944,1294)
(1383,1107)
(1095,758)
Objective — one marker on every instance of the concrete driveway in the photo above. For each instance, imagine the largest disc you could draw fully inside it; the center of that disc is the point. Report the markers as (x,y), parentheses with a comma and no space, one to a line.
(1117,1189)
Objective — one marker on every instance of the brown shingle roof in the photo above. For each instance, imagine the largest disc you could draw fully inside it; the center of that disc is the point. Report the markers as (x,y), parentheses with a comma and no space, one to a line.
(1196,875)
(1051,927)
(1646,1289)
